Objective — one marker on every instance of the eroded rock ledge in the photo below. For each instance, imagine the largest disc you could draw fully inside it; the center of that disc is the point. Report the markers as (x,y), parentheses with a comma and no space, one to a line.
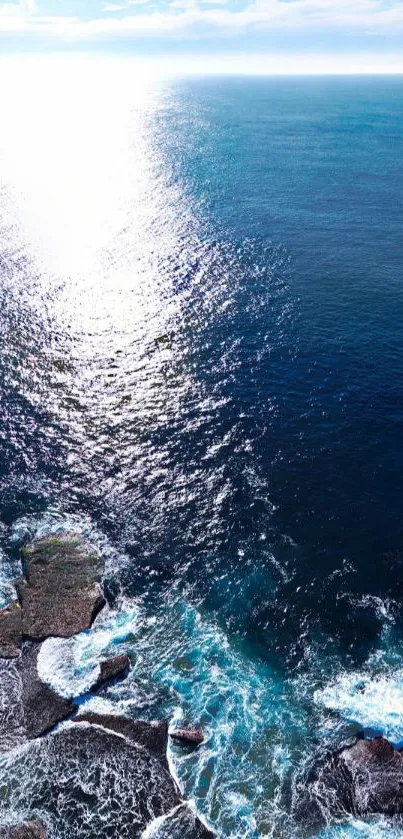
(59,594)
(30,708)
(10,630)
(153,736)
(96,781)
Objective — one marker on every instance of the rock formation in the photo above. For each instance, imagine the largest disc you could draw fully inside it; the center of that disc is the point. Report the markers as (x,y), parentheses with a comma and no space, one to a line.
(153,736)
(24,830)
(10,630)
(28,707)
(60,592)
(112,668)
(189,736)
(101,775)
(363,779)
(91,782)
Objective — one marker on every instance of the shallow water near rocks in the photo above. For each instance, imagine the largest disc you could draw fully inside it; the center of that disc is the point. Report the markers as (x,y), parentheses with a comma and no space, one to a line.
(201,373)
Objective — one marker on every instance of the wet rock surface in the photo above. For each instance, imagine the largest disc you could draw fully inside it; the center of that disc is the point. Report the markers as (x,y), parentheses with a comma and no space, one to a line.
(43,707)
(25,830)
(153,736)
(363,779)
(189,736)
(377,772)
(60,592)
(28,707)
(112,668)
(10,630)
(93,782)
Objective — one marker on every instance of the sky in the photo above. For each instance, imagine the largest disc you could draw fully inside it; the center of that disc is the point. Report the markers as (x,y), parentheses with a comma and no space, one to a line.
(276,35)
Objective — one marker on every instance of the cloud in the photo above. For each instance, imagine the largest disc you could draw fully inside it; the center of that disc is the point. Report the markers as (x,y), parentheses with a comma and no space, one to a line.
(15,15)
(363,16)
(9,9)
(114,7)
(19,9)
(120,7)
(188,6)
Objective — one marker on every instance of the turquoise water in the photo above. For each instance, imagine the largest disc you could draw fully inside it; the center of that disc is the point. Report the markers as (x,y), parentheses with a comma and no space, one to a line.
(202,372)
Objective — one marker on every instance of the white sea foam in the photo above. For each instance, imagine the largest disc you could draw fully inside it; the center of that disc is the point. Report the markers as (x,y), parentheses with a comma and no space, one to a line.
(8,572)
(185,669)
(71,665)
(238,771)
(372,701)
(156,828)
(179,823)
(358,829)
(56,522)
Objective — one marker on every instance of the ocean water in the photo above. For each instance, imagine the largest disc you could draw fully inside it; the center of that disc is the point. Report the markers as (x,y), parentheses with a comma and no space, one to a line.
(201,371)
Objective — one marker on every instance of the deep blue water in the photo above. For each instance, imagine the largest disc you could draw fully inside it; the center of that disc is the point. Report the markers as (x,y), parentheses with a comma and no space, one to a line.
(202,369)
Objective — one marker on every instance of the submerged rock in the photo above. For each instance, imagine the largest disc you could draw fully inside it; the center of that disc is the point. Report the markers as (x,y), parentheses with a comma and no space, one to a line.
(90,782)
(359,780)
(25,830)
(12,729)
(10,630)
(189,736)
(60,592)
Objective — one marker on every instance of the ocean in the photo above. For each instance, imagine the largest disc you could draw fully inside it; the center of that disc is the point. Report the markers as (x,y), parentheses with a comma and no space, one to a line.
(201,370)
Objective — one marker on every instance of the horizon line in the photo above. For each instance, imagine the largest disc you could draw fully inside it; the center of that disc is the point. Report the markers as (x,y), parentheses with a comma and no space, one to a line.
(227,64)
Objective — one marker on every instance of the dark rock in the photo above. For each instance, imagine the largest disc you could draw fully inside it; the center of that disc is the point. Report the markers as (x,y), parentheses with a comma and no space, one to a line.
(12,730)
(10,630)
(190,736)
(181,823)
(359,780)
(25,830)
(60,592)
(94,781)
(43,707)
(152,735)
(377,772)
(112,668)
(28,707)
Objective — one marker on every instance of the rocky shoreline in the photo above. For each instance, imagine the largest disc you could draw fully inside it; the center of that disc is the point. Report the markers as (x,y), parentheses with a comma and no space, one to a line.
(92,775)
(59,595)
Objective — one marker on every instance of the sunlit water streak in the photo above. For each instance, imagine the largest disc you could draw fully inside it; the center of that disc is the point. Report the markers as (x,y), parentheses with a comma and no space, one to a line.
(186,382)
